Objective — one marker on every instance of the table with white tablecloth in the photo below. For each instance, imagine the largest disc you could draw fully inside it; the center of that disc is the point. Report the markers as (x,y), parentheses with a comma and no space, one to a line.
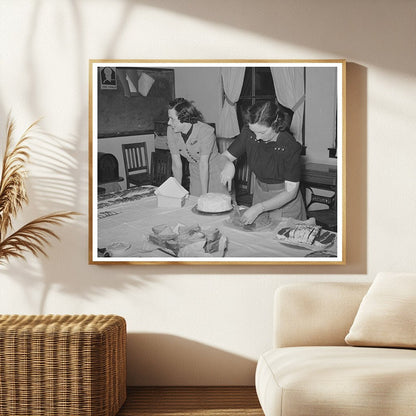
(130,221)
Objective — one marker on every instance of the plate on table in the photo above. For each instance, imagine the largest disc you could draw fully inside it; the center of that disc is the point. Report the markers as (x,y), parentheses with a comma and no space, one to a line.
(118,249)
(321,253)
(297,246)
(322,239)
(262,223)
(195,210)
(250,227)
(305,246)
(318,244)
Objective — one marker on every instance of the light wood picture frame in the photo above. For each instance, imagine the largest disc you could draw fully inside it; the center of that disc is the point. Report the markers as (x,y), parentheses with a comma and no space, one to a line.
(131,224)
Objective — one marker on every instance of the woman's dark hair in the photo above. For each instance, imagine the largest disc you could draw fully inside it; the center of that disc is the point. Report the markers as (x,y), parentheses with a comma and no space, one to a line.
(186,111)
(270,114)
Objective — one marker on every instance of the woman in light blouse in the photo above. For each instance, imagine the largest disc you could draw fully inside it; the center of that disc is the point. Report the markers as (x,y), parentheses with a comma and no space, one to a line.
(190,137)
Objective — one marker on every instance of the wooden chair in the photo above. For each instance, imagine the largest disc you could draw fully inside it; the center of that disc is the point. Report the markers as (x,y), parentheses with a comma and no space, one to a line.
(136,164)
(326,217)
(161,167)
(242,182)
(320,177)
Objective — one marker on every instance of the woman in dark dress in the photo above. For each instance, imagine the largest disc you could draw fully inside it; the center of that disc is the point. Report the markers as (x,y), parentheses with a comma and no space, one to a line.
(273,155)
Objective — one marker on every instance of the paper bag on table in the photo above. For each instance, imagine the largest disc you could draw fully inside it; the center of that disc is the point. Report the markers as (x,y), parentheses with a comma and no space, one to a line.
(171,194)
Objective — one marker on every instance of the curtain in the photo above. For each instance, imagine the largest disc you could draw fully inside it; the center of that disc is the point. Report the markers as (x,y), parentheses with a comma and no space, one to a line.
(232,79)
(290,92)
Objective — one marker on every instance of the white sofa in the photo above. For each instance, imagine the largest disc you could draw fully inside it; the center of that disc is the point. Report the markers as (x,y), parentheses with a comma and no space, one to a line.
(311,371)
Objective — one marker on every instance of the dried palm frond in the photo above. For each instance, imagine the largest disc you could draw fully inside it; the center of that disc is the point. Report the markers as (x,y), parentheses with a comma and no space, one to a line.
(32,237)
(12,183)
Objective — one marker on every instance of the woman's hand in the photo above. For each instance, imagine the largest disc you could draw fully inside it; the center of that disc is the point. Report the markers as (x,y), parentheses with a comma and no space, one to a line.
(227,174)
(251,214)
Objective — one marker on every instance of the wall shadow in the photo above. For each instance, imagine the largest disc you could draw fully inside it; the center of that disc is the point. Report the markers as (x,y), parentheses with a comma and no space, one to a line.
(58,180)
(52,188)
(71,192)
(168,360)
(331,26)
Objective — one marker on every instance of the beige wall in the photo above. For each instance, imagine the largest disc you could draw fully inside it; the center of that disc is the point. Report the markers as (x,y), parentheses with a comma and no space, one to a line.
(196,324)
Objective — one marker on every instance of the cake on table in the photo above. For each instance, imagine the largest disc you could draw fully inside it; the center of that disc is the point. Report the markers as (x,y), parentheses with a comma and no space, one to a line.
(214,202)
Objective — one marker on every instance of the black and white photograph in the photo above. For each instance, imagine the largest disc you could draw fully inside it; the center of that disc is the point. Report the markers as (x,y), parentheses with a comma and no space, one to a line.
(108,78)
(231,162)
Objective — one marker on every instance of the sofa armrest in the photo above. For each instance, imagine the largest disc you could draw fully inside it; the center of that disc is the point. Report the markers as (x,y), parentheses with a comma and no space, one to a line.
(308,314)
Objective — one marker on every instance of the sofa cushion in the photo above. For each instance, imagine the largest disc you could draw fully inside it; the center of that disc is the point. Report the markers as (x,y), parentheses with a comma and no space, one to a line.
(304,381)
(318,313)
(387,314)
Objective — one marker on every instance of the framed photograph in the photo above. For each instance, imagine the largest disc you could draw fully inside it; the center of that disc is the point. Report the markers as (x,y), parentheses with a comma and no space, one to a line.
(108,78)
(217,162)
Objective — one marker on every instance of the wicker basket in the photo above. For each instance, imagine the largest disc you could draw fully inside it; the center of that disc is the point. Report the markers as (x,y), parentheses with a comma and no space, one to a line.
(71,365)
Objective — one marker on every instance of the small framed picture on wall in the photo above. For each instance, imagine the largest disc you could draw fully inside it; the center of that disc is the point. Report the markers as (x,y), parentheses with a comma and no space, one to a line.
(108,78)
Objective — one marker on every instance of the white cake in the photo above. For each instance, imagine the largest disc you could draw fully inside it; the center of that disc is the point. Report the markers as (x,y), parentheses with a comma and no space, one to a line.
(214,202)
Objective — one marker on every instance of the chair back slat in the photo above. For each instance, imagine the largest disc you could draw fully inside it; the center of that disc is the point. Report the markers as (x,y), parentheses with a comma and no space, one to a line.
(242,176)
(161,168)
